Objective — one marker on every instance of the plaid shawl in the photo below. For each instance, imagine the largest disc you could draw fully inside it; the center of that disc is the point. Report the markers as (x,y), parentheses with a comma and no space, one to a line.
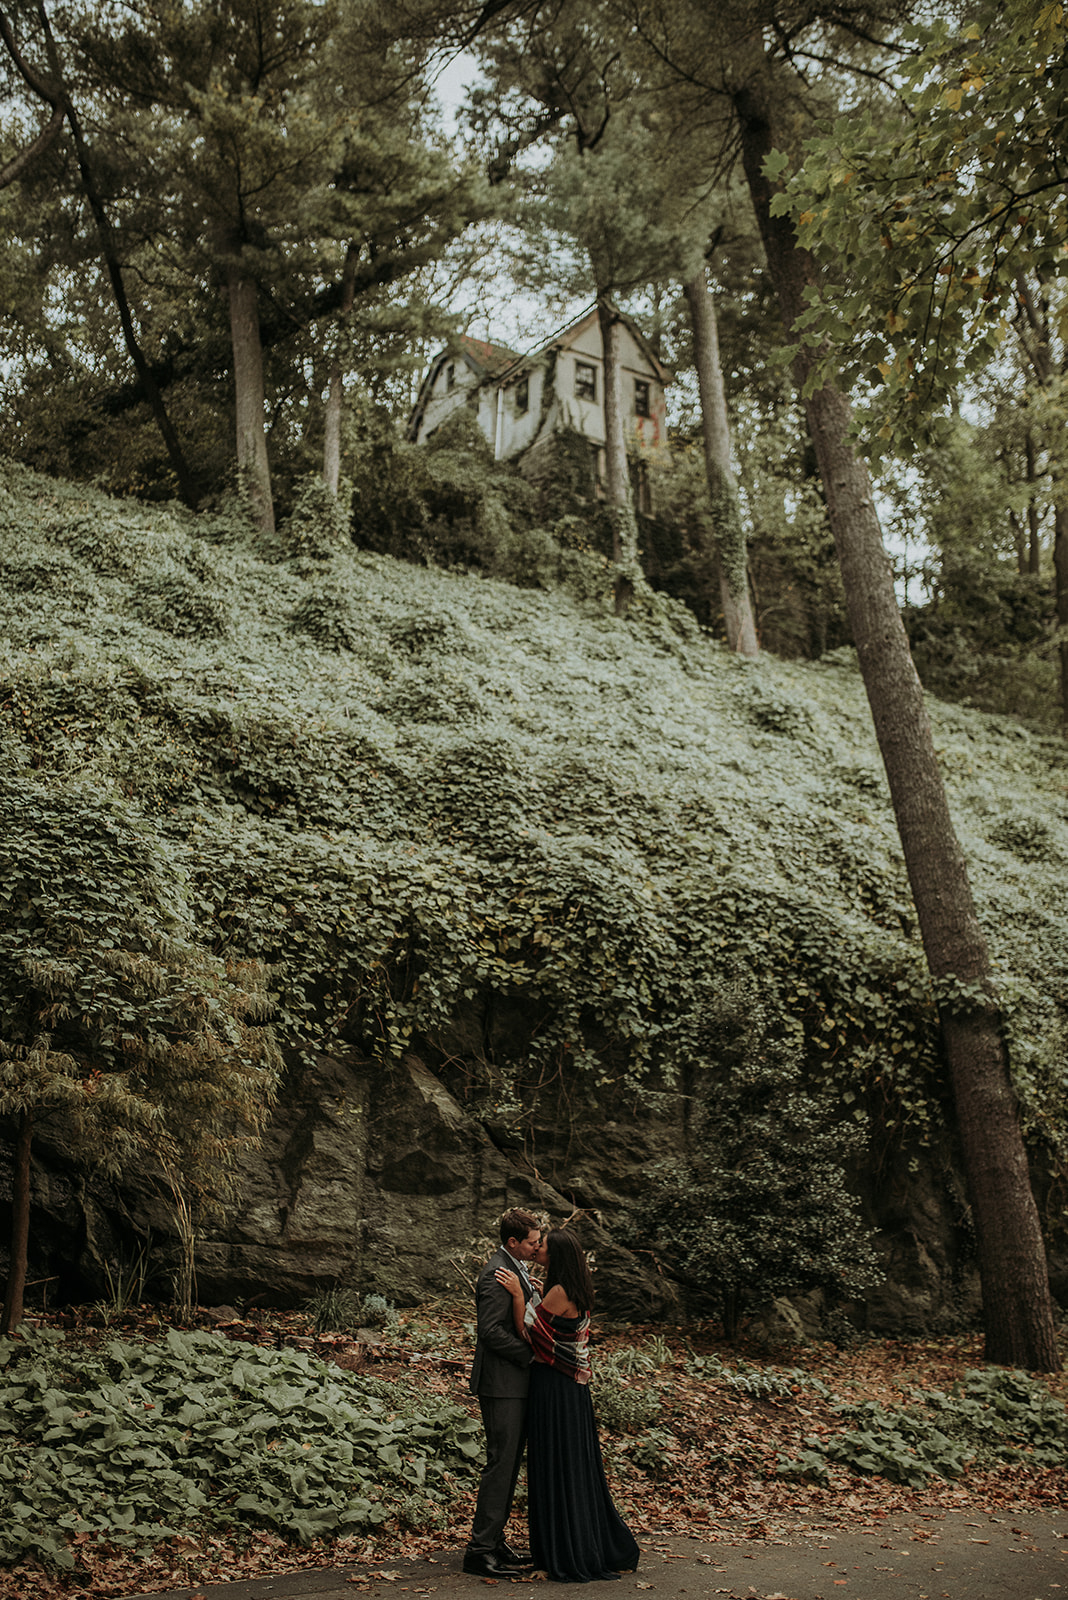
(560,1342)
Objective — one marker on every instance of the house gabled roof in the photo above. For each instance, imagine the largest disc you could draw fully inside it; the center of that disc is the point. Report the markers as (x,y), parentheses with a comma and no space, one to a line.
(489,360)
(567,334)
(570,331)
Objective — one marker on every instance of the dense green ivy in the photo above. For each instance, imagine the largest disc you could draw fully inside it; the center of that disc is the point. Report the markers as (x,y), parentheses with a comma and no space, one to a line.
(111,1010)
(758,1205)
(417,796)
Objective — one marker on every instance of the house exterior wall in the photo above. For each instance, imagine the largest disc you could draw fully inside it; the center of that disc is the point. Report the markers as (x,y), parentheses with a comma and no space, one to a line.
(487,414)
(443,400)
(555,400)
(581,415)
(649,433)
(515,430)
(586,416)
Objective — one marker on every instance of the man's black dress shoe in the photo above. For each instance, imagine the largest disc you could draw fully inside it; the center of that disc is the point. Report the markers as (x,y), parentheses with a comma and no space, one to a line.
(482,1565)
(512,1558)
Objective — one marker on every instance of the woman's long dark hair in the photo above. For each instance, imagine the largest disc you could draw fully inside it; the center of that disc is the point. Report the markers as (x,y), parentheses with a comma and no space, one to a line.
(567,1267)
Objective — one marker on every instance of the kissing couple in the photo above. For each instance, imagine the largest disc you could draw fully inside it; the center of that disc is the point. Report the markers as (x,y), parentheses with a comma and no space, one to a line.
(531,1374)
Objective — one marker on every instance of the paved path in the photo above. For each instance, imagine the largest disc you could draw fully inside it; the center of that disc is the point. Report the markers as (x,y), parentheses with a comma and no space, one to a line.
(951,1556)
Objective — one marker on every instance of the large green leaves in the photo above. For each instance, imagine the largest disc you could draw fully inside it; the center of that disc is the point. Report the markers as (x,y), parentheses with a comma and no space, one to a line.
(138,1440)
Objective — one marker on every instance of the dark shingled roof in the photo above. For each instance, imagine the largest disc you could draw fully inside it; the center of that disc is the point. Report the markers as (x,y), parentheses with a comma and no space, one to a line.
(492,359)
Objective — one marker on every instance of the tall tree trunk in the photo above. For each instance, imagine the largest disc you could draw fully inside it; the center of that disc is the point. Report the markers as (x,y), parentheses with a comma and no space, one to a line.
(20,1226)
(1060,571)
(248,392)
(1036,336)
(1034,539)
(336,393)
(618,500)
(1016,1300)
(722,488)
(1060,564)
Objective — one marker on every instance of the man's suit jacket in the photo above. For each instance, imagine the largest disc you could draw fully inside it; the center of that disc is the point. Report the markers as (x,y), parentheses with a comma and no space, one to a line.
(501,1368)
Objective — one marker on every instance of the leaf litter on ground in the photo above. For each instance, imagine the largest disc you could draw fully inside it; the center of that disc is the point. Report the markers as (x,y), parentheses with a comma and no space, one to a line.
(369,1450)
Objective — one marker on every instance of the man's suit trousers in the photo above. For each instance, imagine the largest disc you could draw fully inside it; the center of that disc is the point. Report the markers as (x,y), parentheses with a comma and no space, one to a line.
(505,1422)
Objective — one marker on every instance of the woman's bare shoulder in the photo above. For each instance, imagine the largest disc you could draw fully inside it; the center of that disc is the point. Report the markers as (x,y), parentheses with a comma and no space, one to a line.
(557,1304)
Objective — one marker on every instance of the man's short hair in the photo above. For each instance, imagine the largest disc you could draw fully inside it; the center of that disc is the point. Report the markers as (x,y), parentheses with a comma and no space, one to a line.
(516,1224)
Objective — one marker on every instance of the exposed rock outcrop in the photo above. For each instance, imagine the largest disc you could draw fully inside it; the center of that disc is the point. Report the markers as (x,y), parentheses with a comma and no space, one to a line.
(386,1182)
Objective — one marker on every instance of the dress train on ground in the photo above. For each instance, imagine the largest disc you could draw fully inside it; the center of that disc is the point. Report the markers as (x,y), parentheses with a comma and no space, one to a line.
(576,1533)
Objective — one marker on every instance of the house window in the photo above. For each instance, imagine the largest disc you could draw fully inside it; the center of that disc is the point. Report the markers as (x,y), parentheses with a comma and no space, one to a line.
(585,381)
(641,398)
(522,397)
(450,375)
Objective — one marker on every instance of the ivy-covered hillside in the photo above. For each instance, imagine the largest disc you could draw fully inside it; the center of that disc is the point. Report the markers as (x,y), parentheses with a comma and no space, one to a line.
(416,794)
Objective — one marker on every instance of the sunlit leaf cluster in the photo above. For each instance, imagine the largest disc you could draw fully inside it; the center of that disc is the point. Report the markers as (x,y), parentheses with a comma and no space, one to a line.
(925,216)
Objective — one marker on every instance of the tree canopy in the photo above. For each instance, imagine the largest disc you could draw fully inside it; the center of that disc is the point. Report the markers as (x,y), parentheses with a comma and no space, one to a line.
(925,219)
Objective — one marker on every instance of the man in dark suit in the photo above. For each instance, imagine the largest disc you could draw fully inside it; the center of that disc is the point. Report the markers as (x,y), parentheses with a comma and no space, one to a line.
(500,1377)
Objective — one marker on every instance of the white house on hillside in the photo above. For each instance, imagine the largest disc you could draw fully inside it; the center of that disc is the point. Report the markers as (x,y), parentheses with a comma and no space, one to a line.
(525,403)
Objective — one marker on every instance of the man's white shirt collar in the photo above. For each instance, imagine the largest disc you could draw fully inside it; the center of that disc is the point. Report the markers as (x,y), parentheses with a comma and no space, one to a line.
(521,1266)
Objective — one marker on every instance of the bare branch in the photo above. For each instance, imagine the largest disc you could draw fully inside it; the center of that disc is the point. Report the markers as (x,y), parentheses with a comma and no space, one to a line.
(41,87)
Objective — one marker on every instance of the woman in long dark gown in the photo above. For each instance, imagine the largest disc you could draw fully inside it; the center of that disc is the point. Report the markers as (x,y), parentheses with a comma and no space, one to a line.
(576,1533)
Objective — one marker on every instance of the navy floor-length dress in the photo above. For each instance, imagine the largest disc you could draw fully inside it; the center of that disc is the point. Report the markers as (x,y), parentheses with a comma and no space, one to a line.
(576,1533)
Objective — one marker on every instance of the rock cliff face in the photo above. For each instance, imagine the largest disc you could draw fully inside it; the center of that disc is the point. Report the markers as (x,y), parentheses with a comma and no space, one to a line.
(385,1182)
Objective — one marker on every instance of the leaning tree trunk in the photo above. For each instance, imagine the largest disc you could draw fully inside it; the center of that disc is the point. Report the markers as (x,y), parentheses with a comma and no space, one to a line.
(249,394)
(1060,569)
(619,503)
(20,1226)
(1017,1309)
(722,488)
(336,393)
(1036,337)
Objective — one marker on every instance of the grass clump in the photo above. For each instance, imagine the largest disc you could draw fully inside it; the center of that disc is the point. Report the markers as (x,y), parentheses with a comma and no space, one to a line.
(339,1310)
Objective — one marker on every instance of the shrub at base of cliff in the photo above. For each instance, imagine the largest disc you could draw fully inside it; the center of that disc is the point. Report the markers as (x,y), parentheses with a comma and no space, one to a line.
(757,1207)
(114,1021)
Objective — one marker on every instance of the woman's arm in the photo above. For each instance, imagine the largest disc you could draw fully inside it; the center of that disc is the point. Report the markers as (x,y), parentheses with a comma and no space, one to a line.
(509,1281)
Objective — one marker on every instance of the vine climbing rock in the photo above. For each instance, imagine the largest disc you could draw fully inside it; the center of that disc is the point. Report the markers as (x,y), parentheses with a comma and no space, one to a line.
(381,1180)
(385,1180)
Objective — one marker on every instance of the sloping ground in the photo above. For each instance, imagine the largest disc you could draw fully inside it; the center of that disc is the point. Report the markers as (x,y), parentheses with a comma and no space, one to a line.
(415,792)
